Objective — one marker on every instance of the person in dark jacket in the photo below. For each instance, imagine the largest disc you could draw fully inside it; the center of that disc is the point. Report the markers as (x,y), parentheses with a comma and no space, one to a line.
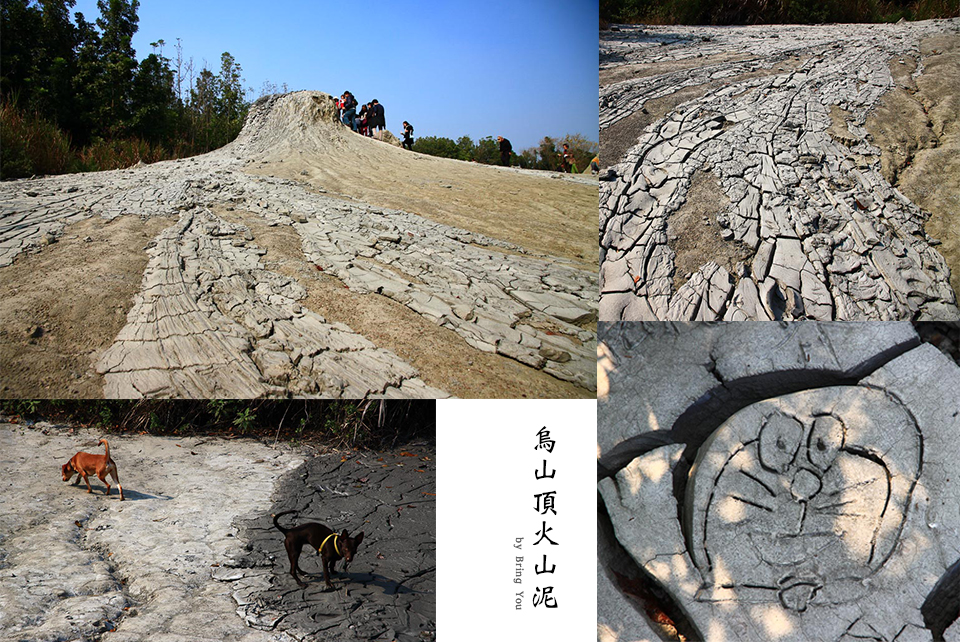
(505,149)
(363,119)
(379,119)
(407,135)
(349,114)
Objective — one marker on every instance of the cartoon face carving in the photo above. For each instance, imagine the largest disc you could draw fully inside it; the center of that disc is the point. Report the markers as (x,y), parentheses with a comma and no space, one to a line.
(797,499)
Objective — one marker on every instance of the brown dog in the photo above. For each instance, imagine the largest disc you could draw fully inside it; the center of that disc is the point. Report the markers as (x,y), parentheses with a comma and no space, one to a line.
(331,546)
(84,464)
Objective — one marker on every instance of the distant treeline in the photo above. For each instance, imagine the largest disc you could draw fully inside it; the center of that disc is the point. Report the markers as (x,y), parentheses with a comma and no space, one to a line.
(733,12)
(487,151)
(74,97)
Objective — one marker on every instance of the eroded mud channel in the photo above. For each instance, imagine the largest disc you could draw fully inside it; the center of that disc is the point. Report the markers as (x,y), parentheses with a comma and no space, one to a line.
(191,553)
(833,149)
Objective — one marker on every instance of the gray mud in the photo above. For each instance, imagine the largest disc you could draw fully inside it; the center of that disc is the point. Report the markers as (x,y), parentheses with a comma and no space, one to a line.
(389,591)
(212,318)
(786,482)
(188,555)
(807,200)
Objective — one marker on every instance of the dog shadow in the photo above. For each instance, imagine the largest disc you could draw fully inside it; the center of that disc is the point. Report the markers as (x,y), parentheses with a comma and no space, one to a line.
(128,495)
(136,495)
(390,587)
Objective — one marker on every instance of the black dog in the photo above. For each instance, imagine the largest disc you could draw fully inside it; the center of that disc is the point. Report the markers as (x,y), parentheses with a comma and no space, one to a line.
(331,547)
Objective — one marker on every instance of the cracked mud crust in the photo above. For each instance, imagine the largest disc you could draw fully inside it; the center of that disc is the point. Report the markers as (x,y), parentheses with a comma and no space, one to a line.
(213,316)
(800,485)
(192,554)
(435,351)
(76,565)
(389,591)
(827,234)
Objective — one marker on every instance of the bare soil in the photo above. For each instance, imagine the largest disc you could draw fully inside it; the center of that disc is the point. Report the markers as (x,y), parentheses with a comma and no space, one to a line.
(693,231)
(49,344)
(917,127)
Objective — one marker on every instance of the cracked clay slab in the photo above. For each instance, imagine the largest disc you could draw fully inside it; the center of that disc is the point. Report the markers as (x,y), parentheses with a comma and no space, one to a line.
(829,513)
(810,227)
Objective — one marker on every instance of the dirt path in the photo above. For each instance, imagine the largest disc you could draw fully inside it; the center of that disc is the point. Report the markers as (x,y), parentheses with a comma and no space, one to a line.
(170,562)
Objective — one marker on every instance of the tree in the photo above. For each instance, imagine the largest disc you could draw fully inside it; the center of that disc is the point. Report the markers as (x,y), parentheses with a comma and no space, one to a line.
(18,47)
(528,158)
(202,106)
(465,148)
(231,104)
(436,146)
(87,82)
(548,154)
(152,99)
(118,23)
(487,151)
(55,61)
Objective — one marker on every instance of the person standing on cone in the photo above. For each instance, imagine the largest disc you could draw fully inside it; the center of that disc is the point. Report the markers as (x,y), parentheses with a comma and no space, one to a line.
(379,119)
(505,149)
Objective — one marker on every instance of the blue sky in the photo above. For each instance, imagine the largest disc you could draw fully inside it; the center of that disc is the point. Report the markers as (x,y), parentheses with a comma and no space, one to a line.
(521,69)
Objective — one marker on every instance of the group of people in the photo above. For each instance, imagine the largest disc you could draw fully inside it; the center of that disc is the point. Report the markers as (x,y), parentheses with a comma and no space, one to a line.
(568,164)
(369,118)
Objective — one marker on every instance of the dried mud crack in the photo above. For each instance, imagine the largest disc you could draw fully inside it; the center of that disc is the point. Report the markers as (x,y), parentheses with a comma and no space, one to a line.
(211,318)
(389,592)
(88,566)
(815,205)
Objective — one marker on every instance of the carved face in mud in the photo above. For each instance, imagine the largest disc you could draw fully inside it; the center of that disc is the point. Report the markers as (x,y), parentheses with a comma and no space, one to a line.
(799,502)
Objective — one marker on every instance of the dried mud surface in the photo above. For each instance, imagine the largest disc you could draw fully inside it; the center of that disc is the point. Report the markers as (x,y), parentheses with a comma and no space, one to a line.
(778,481)
(834,150)
(197,305)
(438,353)
(191,552)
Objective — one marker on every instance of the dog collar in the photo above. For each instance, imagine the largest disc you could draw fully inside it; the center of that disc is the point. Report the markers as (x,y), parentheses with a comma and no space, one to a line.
(334,536)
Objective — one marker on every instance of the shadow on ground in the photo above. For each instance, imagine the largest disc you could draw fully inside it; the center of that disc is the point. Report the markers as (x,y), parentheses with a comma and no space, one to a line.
(388,591)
